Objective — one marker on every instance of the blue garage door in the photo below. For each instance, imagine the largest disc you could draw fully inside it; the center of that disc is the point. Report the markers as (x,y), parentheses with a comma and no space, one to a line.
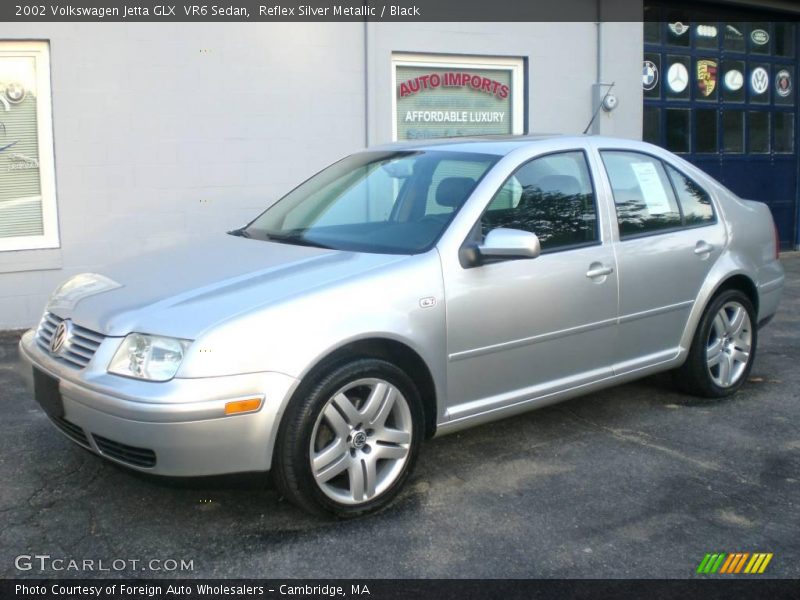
(722,94)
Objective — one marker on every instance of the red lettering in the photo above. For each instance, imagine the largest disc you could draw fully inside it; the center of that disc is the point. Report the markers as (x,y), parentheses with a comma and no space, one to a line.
(503,92)
(413,85)
(476,82)
(495,85)
(435,80)
(486,86)
(404,91)
(424,80)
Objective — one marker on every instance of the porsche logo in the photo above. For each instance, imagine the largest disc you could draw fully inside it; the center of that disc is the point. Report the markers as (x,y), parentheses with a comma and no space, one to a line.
(706,76)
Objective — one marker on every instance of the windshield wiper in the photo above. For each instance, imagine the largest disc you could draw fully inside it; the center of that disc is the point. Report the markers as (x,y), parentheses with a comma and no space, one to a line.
(296,239)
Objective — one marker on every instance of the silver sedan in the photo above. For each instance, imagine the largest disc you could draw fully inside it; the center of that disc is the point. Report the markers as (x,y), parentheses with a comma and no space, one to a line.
(404,292)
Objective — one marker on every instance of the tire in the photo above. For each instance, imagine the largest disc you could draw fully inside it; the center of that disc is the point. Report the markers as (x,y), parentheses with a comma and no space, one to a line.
(723,348)
(349,439)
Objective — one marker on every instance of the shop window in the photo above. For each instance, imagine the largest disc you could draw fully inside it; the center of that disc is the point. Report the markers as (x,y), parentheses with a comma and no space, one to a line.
(678,129)
(651,75)
(451,96)
(733,37)
(784,132)
(677,79)
(759,40)
(783,82)
(759,83)
(28,218)
(732,80)
(733,131)
(784,39)
(651,125)
(706,135)
(758,128)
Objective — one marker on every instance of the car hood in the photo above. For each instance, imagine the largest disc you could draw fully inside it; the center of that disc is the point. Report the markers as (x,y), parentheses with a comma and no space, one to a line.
(188,288)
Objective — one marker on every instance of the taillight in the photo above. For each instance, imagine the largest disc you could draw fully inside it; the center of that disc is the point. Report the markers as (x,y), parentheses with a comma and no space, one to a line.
(777,241)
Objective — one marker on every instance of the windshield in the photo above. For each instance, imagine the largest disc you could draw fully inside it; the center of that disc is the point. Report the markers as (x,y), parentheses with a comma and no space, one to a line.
(383,202)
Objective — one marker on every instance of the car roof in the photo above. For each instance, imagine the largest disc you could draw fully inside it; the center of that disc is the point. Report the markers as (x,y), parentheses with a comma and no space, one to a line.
(492,144)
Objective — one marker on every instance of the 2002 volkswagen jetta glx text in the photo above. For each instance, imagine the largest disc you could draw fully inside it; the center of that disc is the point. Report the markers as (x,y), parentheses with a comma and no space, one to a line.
(407,291)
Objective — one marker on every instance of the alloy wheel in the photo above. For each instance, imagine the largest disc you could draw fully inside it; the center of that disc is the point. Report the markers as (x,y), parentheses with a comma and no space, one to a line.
(361,441)
(729,344)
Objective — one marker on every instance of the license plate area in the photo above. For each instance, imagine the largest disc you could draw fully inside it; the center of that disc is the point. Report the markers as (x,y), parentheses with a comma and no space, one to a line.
(47,394)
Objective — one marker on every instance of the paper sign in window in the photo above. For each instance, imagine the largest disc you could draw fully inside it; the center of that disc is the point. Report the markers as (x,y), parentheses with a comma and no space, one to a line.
(653,193)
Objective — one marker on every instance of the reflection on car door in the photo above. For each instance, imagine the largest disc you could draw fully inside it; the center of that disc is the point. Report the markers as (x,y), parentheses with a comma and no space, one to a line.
(522,329)
(669,237)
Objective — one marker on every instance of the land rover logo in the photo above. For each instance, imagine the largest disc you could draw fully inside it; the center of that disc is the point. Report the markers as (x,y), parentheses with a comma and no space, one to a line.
(59,337)
(759,36)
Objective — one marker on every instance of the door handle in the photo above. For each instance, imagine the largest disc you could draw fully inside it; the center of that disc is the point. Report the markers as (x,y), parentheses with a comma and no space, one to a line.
(597,270)
(703,247)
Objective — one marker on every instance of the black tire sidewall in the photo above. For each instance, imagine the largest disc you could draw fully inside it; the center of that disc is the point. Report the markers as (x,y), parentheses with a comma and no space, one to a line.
(293,460)
(699,379)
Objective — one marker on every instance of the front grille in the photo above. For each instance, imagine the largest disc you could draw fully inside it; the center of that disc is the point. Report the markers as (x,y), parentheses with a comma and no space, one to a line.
(72,431)
(138,457)
(79,347)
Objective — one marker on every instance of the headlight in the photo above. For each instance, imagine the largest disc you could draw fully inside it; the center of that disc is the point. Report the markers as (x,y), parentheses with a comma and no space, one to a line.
(148,357)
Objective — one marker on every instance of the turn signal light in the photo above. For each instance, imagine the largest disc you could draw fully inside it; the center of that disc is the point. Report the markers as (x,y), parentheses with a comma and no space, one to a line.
(242,406)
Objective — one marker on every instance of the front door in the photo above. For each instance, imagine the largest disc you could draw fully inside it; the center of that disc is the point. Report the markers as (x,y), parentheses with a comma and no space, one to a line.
(522,329)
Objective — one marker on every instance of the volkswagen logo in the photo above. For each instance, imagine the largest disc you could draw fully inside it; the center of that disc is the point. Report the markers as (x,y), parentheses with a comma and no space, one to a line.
(359,440)
(59,337)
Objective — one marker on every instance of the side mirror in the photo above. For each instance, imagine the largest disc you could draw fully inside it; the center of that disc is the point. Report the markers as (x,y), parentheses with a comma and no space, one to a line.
(510,243)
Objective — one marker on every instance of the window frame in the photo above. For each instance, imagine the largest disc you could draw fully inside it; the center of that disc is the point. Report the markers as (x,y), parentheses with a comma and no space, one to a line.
(40,52)
(475,236)
(664,164)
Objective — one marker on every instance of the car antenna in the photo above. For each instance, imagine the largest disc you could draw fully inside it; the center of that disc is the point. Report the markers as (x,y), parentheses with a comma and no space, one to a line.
(599,105)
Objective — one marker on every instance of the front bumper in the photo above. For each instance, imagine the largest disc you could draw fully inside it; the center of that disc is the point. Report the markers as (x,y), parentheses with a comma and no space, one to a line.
(176,428)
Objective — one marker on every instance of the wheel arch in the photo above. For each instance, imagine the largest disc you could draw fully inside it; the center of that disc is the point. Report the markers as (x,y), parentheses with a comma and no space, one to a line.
(391,350)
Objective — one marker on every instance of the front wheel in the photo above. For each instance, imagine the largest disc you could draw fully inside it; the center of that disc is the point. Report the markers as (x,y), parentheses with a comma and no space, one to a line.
(723,348)
(348,444)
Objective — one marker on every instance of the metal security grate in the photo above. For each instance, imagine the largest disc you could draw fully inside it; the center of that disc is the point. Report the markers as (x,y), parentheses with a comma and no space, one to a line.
(72,431)
(79,347)
(138,457)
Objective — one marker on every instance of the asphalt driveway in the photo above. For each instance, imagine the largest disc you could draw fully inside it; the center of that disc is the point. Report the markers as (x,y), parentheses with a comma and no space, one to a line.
(635,481)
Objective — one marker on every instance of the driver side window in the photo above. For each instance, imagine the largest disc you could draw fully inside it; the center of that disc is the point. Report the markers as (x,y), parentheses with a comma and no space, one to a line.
(551,196)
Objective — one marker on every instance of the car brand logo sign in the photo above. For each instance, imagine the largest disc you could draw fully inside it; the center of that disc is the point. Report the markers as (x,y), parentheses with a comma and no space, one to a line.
(706,31)
(759,36)
(734,80)
(706,76)
(59,337)
(649,75)
(783,83)
(677,78)
(759,80)
(678,28)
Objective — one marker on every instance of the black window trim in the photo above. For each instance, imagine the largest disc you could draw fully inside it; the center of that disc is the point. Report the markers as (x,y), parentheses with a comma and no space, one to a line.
(470,241)
(665,230)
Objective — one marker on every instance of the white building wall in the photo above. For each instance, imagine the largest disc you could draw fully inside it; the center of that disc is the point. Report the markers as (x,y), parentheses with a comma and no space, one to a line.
(166,131)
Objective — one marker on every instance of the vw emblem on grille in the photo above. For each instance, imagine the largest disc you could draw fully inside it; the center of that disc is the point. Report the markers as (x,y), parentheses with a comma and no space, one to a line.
(59,337)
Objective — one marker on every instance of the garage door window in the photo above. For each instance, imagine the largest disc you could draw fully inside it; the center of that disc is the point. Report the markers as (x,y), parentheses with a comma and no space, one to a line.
(27,191)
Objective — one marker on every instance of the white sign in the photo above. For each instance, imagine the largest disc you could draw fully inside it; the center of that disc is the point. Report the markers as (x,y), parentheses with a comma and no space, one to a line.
(652,189)
(759,80)
(677,78)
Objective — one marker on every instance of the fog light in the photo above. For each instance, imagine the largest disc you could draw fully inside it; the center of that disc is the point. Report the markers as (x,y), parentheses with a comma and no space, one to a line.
(236,407)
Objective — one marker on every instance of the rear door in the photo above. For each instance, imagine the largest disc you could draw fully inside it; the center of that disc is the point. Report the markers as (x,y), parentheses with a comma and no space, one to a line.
(668,237)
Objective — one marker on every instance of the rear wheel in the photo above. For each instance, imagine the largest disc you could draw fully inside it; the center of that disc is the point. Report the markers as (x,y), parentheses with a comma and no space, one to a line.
(723,348)
(347,446)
